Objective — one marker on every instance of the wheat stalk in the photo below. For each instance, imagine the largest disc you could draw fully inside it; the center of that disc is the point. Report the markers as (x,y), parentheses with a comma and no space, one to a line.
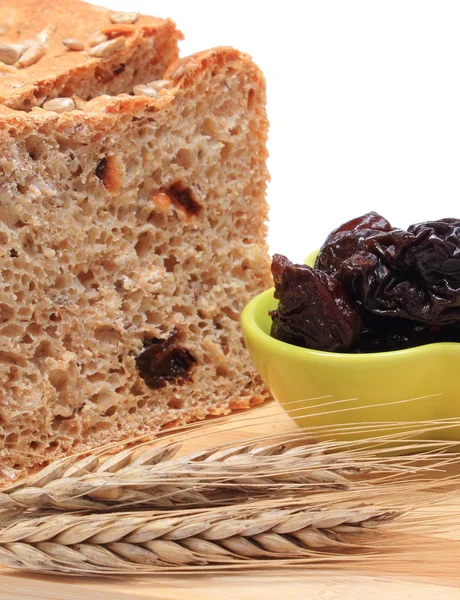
(215,476)
(151,542)
(281,532)
(295,528)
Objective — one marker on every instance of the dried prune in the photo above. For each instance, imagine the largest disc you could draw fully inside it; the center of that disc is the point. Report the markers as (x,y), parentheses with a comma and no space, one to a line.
(100,168)
(404,285)
(437,254)
(383,334)
(184,199)
(348,239)
(164,361)
(314,310)
(110,172)
(412,274)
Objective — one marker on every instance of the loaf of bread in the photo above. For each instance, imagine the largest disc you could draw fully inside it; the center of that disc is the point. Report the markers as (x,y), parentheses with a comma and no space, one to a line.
(132,233)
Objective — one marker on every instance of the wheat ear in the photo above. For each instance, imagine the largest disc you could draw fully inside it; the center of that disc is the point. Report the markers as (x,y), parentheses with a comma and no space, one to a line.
(151,542)
(218,476)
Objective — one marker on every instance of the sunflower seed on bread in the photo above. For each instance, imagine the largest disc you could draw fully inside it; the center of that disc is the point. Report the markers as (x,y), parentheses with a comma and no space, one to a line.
(145,90)
(73,44)
(59,105)
(124,17)
(45,34)
(96,39)
(108,48)
(9,54)
(159,84)
(32,55)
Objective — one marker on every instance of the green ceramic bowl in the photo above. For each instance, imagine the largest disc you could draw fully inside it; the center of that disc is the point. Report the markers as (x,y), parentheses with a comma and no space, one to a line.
(418,384)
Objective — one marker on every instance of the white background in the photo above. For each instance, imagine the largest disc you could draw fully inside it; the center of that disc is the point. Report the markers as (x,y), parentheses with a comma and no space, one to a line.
(363,100)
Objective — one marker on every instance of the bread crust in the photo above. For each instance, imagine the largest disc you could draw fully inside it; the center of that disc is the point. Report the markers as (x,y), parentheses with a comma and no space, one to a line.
(98,118)
(56,73)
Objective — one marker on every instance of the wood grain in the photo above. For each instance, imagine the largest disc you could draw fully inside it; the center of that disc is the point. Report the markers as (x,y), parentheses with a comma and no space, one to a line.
(338,583)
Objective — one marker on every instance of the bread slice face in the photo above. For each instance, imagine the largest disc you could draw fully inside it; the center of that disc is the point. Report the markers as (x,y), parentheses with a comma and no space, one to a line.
(139,51)
(132,233)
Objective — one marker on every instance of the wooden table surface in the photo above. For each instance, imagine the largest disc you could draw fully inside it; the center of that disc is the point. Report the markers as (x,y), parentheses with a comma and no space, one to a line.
(338,583)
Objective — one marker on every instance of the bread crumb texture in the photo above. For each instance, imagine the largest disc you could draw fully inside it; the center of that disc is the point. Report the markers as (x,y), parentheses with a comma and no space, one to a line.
(132,233)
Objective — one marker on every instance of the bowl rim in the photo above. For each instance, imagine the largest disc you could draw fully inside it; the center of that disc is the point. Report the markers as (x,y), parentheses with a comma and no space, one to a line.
(250,326)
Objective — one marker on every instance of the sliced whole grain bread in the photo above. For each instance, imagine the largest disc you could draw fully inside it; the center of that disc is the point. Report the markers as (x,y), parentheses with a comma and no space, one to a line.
(132,233)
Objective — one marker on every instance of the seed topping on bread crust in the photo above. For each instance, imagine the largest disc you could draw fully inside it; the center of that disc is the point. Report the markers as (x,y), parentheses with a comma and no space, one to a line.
(178,71)
(26,52)
(44,35)
(124,17)
(96,39)
(59,105)
(159,84)
(106,49)
(145,90)
(73,44)
(32,55)
(9,54)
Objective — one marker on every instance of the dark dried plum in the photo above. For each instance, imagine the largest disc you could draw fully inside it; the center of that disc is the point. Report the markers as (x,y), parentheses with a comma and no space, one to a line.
(383,334)
(313,311)
(184,199)
(370,220)
(101,167)
(404,285)
(437,254)
(412,274)
(164,361)
(348,239)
